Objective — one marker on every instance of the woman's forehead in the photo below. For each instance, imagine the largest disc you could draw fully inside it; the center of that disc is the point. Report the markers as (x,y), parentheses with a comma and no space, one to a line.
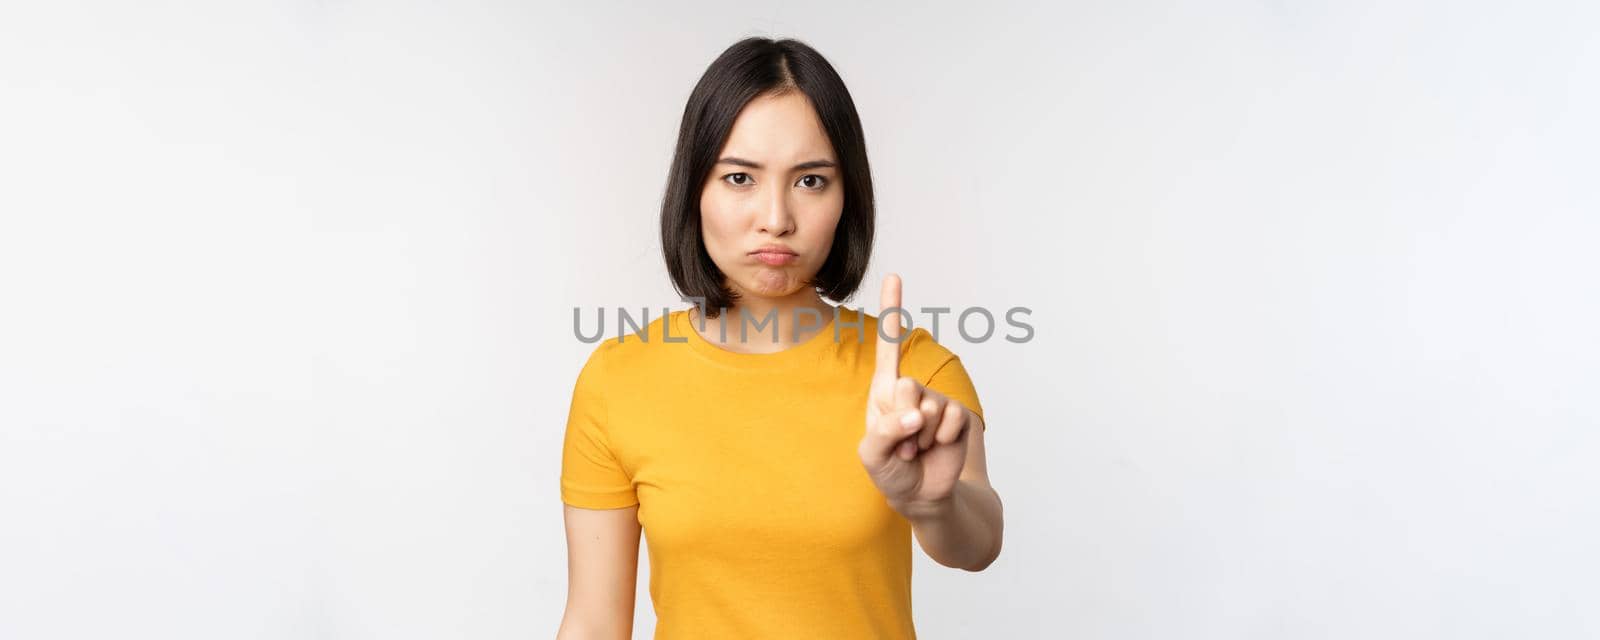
(778,130)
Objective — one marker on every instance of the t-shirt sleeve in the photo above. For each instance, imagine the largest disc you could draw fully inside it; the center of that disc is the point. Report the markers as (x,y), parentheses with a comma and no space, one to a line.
(592,477)
(940,370)
(952,380)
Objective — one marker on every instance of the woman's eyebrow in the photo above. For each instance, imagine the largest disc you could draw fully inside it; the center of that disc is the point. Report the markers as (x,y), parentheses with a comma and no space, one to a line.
(810,164)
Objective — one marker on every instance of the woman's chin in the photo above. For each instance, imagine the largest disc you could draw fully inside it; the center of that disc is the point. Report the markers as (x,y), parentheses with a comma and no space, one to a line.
(772,283)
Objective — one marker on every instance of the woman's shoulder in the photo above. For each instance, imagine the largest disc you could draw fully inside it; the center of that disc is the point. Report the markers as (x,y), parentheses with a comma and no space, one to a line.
(625,343)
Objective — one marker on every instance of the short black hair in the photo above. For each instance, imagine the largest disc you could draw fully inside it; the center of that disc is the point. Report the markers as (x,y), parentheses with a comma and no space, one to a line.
(750,68)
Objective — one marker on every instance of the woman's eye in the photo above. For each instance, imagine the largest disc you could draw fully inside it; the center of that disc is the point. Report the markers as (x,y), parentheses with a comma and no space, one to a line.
(809,181)
(818,181)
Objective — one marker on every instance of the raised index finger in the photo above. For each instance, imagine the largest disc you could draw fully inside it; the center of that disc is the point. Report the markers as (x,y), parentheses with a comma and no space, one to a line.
(889,316)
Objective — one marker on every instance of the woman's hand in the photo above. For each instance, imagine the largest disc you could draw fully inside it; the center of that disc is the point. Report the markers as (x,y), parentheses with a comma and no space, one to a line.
(916,439)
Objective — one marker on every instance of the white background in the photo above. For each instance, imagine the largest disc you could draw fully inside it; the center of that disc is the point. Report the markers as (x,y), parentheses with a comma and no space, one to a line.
(286,291)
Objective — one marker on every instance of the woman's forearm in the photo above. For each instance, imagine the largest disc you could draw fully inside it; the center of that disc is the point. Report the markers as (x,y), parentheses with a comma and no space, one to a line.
(966,531)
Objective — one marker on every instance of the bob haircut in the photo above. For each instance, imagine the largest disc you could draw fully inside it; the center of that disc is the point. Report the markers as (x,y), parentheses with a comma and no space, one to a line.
(753,67)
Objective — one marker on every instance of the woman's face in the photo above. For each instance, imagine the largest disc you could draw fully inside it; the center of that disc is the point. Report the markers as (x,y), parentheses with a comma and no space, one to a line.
(776,182)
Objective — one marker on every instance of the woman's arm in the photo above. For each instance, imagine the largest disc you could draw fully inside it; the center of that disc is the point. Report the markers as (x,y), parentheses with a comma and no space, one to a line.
(966,531)
(602,569)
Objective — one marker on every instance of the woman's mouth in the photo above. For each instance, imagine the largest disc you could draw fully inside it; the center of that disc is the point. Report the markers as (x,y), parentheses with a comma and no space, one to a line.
(775,258)
(774,254)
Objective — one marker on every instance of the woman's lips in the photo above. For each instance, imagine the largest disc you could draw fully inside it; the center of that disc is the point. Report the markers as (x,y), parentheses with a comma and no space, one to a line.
(775,258)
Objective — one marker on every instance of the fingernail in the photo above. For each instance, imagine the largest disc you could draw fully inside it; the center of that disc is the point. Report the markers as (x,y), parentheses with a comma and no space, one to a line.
(909,421)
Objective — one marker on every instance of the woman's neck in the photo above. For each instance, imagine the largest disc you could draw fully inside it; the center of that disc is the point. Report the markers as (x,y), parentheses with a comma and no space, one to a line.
(763,317)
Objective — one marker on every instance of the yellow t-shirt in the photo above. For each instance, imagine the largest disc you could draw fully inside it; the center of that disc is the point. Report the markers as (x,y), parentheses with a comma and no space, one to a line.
(759,519)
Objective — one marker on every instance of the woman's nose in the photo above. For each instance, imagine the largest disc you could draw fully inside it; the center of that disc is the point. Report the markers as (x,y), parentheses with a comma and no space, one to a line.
(777,219)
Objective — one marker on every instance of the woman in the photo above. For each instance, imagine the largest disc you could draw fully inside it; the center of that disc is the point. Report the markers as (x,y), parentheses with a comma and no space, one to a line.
(732,432)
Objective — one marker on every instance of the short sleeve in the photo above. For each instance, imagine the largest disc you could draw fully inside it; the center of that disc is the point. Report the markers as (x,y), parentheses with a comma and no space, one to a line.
(591,475)
(952,380)
(939,369)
